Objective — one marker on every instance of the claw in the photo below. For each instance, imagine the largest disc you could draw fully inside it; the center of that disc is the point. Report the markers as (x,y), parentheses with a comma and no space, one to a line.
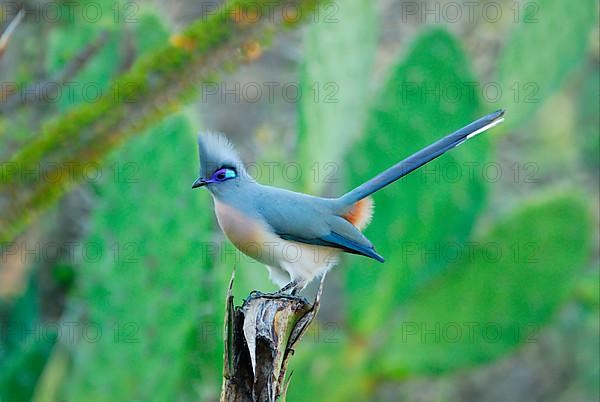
(292,287)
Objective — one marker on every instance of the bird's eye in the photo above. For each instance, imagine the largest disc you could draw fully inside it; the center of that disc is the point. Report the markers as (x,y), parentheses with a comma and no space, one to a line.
(224,174)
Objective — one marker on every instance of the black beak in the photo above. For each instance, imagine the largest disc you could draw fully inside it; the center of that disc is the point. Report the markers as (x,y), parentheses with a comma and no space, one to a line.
(200,182)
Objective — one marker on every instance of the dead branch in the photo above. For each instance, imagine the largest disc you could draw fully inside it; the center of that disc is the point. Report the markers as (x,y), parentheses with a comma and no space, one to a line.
(259,340)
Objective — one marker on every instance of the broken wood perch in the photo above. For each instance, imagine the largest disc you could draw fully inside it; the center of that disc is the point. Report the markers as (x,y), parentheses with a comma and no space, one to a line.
(259,340)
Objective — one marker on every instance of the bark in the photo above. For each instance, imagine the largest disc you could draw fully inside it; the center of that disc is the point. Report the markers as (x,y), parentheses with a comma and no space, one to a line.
(259,340)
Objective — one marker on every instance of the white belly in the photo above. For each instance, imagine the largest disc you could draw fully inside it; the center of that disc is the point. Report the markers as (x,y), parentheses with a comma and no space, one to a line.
(302,262)
(286,260)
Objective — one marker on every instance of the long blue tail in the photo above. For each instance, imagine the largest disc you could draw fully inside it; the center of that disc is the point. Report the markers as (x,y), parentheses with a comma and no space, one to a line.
(422,157)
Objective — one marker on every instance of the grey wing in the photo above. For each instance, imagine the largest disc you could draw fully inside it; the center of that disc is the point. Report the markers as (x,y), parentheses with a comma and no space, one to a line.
(307,219)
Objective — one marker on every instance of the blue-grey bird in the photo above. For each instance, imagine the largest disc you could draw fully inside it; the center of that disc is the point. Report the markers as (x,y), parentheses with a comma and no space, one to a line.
(300,236)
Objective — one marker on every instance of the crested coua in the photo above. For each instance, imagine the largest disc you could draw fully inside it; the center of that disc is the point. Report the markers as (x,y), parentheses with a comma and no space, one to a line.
(300,236)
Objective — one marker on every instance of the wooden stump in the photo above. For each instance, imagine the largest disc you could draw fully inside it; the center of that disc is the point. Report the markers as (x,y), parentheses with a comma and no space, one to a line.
(259,337)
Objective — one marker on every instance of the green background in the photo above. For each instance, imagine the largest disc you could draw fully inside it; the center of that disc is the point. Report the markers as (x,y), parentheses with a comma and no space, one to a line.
(490,286)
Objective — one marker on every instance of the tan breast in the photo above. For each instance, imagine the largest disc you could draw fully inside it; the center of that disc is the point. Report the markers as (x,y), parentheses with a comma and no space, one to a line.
(247,234)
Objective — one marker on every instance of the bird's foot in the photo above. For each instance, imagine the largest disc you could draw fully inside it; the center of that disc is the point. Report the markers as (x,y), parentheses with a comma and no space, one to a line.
(256,293)
(289,291)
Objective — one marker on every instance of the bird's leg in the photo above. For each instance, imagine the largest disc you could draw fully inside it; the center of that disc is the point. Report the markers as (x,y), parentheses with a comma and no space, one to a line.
(291,287)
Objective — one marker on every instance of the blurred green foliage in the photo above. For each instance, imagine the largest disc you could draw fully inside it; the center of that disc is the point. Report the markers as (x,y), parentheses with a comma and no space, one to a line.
(513,289)
(412,209)
(144,224)
(157,291)
(336,54)
(167,76)
(535,60)
(24,354)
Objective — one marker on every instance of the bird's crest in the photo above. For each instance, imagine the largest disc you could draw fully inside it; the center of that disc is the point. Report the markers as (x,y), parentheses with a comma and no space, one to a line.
(216,151)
